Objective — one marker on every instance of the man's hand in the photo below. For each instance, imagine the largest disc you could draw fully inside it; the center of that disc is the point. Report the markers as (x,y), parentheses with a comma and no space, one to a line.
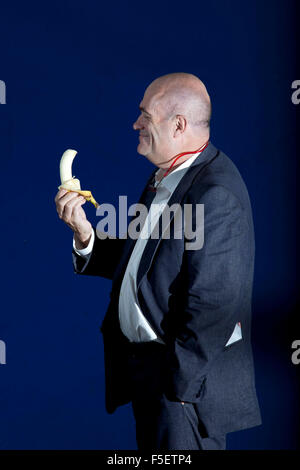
(68,206)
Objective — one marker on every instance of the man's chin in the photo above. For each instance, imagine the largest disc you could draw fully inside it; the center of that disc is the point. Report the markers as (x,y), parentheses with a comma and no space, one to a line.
(141,150)
(145,152)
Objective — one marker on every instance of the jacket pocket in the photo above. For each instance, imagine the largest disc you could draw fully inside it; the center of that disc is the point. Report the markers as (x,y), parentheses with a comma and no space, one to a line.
(236,336)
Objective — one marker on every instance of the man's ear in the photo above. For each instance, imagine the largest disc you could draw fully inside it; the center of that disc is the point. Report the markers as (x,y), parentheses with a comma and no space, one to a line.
(180,125)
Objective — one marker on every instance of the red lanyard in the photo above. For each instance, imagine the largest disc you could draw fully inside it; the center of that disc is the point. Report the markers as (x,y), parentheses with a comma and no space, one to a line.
(199,150)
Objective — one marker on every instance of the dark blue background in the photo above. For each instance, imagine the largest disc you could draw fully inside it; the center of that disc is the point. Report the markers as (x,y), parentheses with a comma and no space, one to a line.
(75,73)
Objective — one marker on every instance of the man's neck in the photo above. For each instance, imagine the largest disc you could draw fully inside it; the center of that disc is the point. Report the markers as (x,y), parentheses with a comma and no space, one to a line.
(160,173)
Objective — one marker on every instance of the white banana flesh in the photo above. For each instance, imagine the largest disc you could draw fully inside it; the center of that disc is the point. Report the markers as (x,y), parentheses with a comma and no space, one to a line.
(69,182)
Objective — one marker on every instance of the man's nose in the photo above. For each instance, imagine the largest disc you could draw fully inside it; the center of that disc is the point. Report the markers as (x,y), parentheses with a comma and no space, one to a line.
(136,124)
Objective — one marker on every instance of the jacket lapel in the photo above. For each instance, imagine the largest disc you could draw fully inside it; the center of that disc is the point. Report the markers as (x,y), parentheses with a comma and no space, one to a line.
(197,166)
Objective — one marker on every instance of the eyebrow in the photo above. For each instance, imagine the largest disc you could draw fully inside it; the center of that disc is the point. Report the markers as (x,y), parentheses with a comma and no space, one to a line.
(144,110)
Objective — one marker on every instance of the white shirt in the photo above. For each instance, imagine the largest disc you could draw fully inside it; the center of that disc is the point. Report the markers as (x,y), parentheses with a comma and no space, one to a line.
(133,323)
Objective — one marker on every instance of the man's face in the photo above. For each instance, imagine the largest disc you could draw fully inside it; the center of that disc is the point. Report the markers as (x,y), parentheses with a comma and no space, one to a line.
(155,130)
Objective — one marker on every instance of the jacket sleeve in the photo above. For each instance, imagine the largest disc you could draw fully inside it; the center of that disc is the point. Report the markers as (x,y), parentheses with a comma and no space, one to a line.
(103,259)
(215,281)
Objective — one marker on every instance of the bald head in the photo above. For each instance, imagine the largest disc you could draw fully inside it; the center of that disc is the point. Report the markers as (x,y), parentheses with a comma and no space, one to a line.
(182,94)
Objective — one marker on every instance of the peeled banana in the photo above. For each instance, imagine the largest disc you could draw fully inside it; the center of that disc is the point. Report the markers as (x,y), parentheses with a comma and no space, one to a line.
(69,182)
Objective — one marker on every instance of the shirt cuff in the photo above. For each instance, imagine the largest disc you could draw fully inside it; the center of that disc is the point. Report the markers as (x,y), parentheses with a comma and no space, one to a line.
(87,250)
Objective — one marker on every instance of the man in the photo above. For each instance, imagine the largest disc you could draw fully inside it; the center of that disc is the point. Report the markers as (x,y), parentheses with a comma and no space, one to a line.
(177,330)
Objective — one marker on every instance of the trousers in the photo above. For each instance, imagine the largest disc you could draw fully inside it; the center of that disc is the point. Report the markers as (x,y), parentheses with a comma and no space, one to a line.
(162,423)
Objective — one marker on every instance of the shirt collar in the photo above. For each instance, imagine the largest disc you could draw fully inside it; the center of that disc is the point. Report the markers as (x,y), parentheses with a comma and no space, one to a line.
(170,181)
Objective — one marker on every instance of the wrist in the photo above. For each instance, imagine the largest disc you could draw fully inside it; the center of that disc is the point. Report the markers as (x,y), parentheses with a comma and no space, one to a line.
(82,239)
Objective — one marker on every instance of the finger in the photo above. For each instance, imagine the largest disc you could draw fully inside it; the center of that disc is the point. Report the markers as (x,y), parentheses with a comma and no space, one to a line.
(59,194)
(68,196)
(73,217)
(68,207)
(75,205)
(64,195)
(60,205)
(77,210)
(78,214)
(62,200)
(81,200)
